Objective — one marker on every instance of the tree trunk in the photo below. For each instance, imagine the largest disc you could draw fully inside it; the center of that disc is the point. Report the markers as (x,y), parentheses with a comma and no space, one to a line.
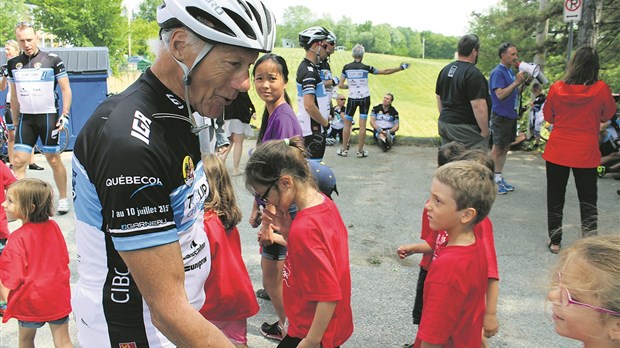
(541,34)
(590,21)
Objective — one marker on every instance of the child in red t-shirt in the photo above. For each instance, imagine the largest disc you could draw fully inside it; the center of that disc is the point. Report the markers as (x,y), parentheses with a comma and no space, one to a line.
(35,265)
(317,278)
(462,194)
(229,294)
(434,240)
(6,178)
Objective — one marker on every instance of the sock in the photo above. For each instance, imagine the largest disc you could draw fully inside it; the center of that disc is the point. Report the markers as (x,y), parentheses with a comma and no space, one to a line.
(498,177)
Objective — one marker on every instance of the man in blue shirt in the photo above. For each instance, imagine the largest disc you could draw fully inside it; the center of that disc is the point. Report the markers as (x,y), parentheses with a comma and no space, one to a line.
(504,85)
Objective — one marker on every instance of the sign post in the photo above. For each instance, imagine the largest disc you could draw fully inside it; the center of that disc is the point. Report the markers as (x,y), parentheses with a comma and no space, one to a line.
(572,14)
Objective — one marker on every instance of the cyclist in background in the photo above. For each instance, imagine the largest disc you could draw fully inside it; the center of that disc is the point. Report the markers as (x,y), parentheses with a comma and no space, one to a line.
(34,74)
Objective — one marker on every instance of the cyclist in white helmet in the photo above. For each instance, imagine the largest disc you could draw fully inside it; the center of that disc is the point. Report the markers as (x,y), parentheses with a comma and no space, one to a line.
(139,186)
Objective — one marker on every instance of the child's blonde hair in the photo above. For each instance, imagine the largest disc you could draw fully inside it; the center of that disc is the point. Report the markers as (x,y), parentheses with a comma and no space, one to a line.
(35,199)
(473,186)
(221,197)
(596,258)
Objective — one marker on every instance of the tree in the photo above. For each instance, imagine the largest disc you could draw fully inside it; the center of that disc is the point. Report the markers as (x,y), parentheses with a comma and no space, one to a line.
(142,32)
(13,11)
(147,11)
(85,23)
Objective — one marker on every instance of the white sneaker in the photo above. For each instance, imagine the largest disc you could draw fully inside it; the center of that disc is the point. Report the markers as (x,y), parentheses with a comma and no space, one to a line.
(63,206)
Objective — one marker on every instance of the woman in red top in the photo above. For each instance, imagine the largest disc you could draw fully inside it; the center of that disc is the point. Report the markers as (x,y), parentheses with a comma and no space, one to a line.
(228,289)
(35,265)
(575,106)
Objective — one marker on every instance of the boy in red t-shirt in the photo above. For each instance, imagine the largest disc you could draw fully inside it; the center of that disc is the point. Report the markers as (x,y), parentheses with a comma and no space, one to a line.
(434,240)
(462,194)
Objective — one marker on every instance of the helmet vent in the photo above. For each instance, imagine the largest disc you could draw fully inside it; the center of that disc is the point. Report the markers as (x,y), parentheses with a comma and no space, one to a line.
(241,23)
(208,19)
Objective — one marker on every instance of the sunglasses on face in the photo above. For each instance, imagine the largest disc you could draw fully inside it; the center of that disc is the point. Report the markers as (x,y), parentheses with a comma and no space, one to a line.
(262,199)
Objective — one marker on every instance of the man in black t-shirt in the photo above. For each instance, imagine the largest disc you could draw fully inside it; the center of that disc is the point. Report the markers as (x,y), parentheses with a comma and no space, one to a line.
(463,98)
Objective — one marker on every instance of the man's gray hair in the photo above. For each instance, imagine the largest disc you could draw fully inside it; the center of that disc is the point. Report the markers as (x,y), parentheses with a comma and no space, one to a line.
(358,51)
(193,40)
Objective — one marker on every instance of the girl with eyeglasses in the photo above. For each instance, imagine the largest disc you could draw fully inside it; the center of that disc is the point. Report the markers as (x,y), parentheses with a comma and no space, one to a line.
(585,292)
(317,278)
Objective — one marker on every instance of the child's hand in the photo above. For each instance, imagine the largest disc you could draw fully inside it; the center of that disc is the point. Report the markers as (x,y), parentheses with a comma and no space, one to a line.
(265,235)
(404,250)
(306,344)
(279,221)
(491,325)
(255,218)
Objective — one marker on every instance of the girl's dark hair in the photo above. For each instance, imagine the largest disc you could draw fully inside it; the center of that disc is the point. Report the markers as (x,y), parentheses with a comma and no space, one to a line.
(583,67)
(449,151)
(221,197)
(278,60)
(35,199)
(477,155)
(275,158)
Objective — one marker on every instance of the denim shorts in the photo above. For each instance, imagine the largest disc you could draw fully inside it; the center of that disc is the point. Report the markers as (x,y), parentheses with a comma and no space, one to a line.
(38,325)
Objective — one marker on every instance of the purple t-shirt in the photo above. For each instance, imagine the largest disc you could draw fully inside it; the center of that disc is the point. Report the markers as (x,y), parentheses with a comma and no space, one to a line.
(282,123)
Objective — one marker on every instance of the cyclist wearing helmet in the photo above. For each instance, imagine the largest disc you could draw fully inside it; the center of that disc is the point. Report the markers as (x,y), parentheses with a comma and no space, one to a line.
(312,98)
(139,186)
(359,96)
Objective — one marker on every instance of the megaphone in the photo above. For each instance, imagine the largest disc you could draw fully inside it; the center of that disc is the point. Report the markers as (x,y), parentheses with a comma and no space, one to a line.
(532,69)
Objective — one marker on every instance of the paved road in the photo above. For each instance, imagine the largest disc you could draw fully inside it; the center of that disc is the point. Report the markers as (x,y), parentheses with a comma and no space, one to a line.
(381,200)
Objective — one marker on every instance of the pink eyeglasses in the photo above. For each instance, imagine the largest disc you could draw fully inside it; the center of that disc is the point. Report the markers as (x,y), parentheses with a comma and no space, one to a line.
(566,299)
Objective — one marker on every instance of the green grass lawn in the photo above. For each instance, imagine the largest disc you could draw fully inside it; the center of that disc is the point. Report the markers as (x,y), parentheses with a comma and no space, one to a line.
(413,89)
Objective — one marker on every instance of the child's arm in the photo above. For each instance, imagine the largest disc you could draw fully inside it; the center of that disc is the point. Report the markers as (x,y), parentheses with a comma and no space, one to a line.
(278,220)
(266,235)
(322,316)
(410,249)
(491,325)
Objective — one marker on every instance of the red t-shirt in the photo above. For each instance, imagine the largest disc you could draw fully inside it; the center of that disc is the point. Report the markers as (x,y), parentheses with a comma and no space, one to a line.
(228,289)
(35,267)
(316,269)
(454,298)
(6,178)
(576,112)
(426,230)
(484,231)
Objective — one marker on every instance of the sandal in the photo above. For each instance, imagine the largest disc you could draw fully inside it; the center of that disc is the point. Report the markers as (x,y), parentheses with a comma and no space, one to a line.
(554,248)
(341,152)
(362,154)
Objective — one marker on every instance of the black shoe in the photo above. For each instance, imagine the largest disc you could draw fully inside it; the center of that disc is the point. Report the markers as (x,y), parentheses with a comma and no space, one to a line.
(272,331)
(262,293)
(34,166)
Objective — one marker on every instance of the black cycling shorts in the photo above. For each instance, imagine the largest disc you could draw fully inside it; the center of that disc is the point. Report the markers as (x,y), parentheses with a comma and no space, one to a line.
(32,127)
(315,144)
(353,104)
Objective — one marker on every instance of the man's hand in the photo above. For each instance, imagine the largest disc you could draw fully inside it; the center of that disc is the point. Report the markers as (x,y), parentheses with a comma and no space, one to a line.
(63,120)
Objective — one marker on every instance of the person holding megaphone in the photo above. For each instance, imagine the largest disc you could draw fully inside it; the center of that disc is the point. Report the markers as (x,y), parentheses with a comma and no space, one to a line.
(504,85)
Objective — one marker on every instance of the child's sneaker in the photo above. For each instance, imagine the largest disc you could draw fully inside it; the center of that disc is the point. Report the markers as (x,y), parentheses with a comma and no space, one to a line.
(601,171)
(272,331)
(362,154)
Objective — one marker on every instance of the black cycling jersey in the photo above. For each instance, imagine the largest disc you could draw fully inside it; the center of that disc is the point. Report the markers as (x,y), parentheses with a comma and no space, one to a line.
(138,183)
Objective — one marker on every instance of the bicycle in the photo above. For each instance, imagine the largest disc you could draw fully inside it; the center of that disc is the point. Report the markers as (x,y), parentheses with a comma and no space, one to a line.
(63,141)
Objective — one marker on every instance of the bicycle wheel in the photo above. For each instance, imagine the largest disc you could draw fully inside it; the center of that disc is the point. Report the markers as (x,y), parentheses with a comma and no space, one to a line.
(63,141)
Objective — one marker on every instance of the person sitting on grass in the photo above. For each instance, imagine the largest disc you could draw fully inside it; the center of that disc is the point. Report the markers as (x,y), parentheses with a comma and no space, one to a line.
(384,122)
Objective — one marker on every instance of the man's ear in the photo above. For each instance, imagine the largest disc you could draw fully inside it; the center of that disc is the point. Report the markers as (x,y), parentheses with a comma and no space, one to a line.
(468,215)
(614,329)
(178,42)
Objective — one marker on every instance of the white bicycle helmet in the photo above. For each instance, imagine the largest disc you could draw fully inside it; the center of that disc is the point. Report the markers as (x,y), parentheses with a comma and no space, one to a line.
(312,34)
(242,23)
(331,37)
